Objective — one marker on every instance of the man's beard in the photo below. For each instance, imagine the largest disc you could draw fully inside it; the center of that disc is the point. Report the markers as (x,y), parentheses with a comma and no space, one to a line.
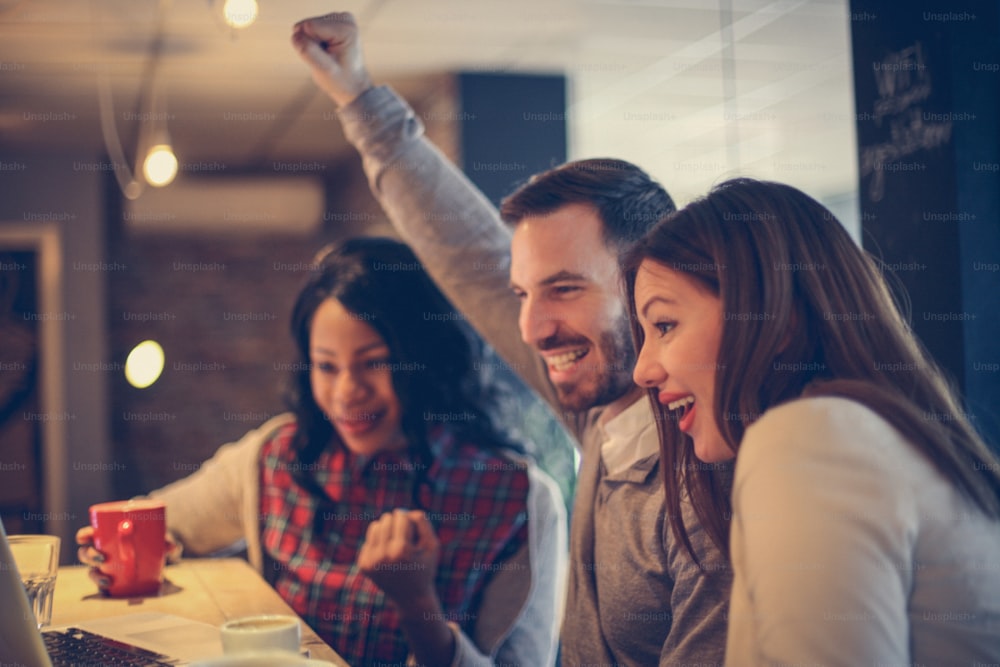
(614,379)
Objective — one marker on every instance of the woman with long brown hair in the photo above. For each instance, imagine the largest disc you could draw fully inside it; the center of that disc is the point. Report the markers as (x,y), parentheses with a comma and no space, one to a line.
(864,525)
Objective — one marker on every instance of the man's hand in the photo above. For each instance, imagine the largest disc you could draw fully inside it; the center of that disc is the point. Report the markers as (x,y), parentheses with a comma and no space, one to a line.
(331,47)
(400,555)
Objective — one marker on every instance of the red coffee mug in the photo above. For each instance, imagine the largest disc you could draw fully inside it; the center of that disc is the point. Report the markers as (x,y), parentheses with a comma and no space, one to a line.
(132,535)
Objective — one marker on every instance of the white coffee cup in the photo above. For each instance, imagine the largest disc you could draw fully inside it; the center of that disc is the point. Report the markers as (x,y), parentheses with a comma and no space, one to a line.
(258,633)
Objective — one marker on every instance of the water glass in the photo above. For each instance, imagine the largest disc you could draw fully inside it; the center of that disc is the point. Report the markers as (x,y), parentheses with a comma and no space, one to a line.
(37,559)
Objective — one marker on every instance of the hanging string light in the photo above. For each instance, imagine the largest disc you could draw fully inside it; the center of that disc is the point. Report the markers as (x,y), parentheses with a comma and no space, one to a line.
(240,14)
(153,147)
(160,165)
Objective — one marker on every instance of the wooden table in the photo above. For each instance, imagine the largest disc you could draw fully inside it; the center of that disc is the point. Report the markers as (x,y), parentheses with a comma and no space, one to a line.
(210,590)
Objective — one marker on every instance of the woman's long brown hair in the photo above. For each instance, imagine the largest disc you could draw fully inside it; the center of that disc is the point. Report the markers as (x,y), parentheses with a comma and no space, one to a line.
(807,313)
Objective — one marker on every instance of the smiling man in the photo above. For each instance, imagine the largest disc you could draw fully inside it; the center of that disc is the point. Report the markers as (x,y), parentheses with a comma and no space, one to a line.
(540,280)
(565,276)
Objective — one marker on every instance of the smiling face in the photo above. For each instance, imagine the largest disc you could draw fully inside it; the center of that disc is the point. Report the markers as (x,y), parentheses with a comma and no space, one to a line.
(572,309)
(351,380)
(682,325)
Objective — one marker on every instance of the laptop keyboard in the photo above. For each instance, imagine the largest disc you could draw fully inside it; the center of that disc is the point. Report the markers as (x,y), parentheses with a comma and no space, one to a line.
(74,647)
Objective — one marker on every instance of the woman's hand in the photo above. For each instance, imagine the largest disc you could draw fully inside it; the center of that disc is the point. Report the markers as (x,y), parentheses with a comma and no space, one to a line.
(400,555)
(87,554)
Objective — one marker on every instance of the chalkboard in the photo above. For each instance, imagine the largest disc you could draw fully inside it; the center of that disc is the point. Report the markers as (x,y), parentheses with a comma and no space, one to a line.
(926,81)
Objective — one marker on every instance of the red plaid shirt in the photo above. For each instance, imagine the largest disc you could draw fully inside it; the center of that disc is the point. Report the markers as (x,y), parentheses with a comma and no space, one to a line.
(314,518)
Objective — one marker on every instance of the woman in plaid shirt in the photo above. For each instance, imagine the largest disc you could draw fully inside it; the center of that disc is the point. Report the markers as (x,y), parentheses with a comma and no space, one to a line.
(388,510)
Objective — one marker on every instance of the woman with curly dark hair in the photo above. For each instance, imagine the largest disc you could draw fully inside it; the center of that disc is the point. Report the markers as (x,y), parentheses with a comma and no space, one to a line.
(388,509)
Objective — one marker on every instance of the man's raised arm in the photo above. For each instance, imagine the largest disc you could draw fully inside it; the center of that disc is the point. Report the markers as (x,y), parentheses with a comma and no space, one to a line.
(451,226)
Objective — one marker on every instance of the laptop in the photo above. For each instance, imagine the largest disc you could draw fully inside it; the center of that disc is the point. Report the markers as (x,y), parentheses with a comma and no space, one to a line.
(176,640)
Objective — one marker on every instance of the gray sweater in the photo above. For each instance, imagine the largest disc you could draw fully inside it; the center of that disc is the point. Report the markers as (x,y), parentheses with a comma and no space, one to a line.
(634,596)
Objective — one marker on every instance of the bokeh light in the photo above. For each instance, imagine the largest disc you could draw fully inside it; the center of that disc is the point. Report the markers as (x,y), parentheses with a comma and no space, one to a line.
(160,166)
(240,13)
(144,364)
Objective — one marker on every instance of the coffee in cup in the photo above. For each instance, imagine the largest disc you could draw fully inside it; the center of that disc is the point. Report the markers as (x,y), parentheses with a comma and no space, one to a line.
(256,633)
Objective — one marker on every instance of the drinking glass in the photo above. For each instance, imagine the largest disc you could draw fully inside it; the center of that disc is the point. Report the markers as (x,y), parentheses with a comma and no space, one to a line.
(37,559)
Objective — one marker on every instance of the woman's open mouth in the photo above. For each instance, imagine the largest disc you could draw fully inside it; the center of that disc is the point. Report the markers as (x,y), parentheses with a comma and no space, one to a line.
(684,408)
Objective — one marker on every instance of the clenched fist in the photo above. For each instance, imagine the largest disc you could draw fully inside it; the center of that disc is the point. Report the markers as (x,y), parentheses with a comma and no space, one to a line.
(331,46)
(400,555)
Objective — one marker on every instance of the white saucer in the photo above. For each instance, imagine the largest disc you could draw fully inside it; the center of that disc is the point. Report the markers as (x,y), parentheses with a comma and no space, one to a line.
(262,659)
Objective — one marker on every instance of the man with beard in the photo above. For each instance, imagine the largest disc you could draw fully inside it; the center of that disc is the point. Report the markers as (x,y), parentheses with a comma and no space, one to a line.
(635,596)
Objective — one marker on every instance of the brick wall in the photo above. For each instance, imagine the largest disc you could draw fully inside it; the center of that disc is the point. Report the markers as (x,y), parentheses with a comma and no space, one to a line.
(219,306)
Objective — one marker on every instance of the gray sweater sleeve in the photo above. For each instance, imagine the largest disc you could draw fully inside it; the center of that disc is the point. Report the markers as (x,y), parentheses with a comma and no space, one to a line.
(453,229)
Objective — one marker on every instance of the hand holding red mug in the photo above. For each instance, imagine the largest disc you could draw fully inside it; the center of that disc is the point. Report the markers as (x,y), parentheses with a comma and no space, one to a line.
(126,546)
(87,554)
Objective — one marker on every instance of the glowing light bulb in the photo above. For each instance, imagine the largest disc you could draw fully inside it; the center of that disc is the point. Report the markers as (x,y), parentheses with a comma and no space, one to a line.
(240,13)
(144,364)
(160,166)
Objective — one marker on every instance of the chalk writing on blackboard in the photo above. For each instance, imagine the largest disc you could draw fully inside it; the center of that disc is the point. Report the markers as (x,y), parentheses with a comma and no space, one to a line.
(904,83)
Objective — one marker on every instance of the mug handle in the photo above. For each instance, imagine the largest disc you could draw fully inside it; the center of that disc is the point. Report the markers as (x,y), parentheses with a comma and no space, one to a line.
(126,548)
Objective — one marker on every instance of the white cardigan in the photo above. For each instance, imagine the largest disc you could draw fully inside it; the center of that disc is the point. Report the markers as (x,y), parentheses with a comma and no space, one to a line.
(849,548)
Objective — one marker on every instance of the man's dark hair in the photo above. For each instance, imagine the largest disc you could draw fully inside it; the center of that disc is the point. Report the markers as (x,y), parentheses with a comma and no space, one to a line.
(627,200)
